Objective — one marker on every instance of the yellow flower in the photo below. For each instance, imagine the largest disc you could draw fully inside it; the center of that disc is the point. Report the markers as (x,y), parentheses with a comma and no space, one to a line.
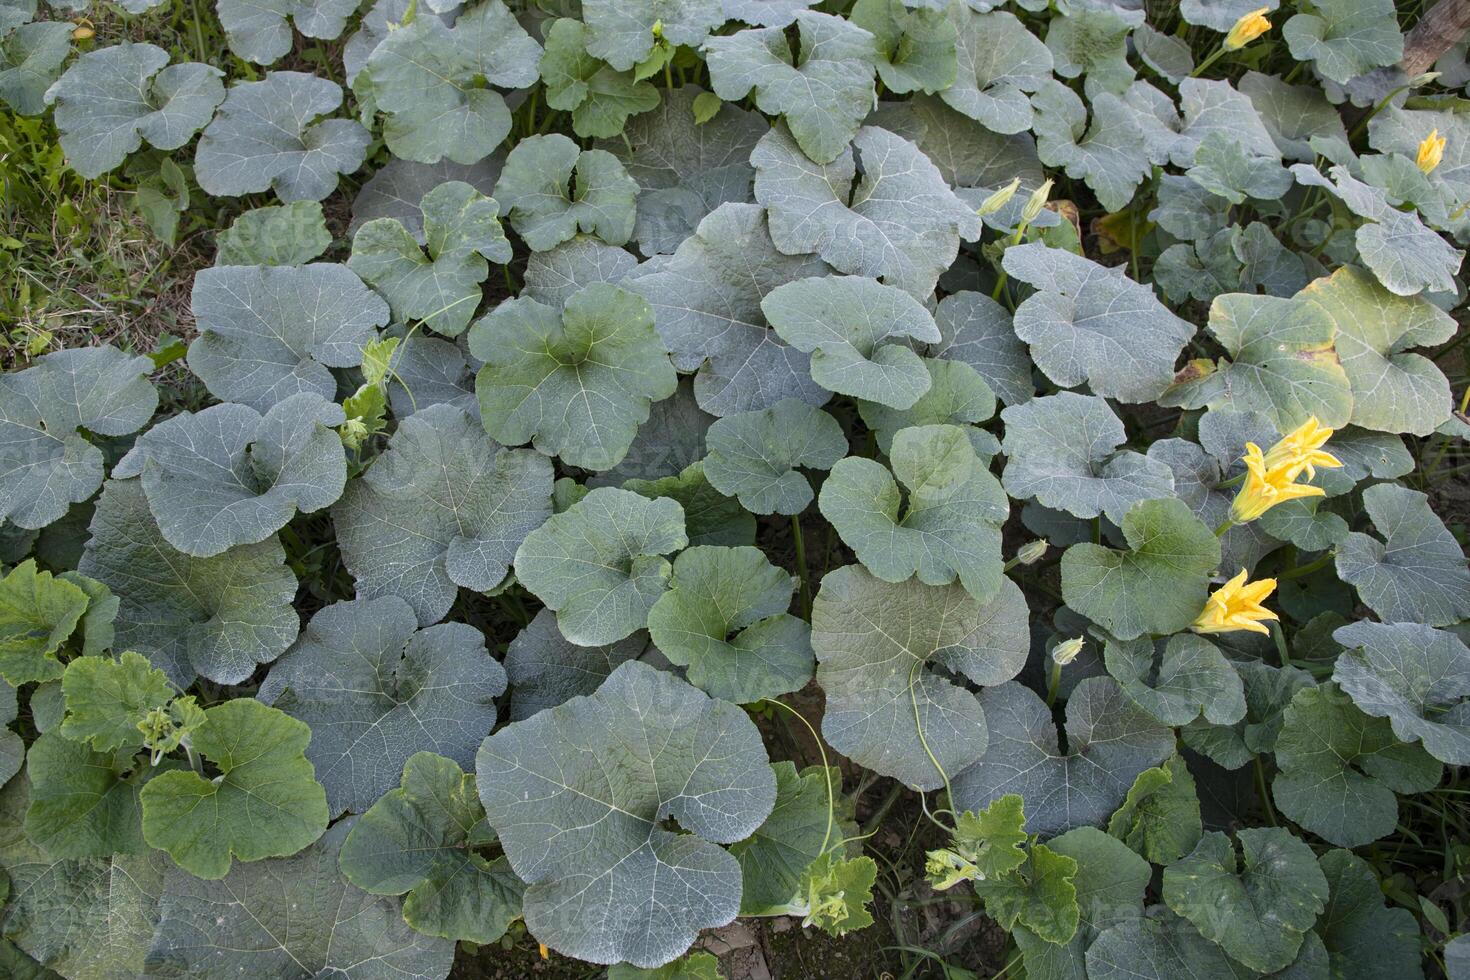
(1266,487)
(1247,29)
(1431,151)
(1300,450)
(1236,605)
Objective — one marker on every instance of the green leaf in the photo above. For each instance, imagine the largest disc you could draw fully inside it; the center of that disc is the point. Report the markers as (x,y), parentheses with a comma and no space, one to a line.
(724,619)
(281,234)
(38,613)
(442,288)
(937,515)
(773,859)
(1158,585)
(270,135)
(599,564)
(1092,41)
(878,645)
(265,803)
(1110,156)
(1345,38)
(1256,902)
(916,48)
(706,301)
(1090,324)
(999,63)
(900,223)
(710,518)
(558,274)
(1160,819)
(1177,682)
(267,333)
(107,700)
(216,617)
(551,190)
(252,923)
(577,383)
(1038,895)
(622,31)
(823,95)
(83,803)
(442,508)
(1364,937)
(546,669)
(578,794)
(994,840)
(599,98)
(1062,450)
(397,188)
(259,32)
(695,966)
(1223,166)
(836,892)
(854,329)
(31,57)
(977,330)
(1394,389)
(1339,769)
(1157,945)
(373,689)
(229,476)
(1293,114)
(46,463)
(1417,572)
(113,98)
(1416,677)
(957,395)
(433,83)
(1268,690)
(754,455)
(419,840)
(1109,742)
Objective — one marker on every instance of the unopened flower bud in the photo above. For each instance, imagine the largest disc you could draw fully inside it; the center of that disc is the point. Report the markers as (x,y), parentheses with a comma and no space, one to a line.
(1066,651)
(1247,29)
(1032,551)
(1035,203)
(999,199)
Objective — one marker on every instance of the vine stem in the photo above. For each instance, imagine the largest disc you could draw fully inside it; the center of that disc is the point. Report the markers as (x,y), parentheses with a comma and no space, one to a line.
(826,769)
(806,585)
(1308,568)
(919,727)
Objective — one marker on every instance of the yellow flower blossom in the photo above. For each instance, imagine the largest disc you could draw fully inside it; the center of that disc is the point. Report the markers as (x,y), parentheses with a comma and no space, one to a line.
(1265,487)
(1236,605)
(1247,29)
(1300,450)
(1431,151)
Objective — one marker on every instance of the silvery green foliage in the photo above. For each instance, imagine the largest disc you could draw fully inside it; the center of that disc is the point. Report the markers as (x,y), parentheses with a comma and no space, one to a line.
(556,275)
(31,57)
(1345,38)
(259,32)
(375,689)
(1110,741)
(622,30)
(600,99)
(1207,108)
(384,16)
(46,463)
(578,795)
(432,83)
(397,189)
(428,371)
(916,48)
(900,222)
(1000,64)
(278,234)
(1109,155)
(112,99)
(755,455)
(1092,43)
(444,507)
(1416,677)
(977,330)
(227,475)
(214,617)
(267,333)
(602,601)
(1415,572)
(271,135)
(1221,15)
(707,307)
(442,288)
(877,647)
(545,669)
(1177,682)
(550,190)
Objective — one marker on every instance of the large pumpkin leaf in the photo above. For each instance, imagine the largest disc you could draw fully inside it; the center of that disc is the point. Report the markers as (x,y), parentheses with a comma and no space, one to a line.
(113,98)
(1257,902)
(270,135)
(268,333)
(443,507)
(755,455)
(576,382)
(578,795)
(916,48)
(599,564)
(901,222)
(1417,572)
(546,669)
(1339,769)
(215,617)
(442,288)
(265,803)
(773,859)
(937,515)
(599,98)
(1416,677)
(669,442)
(1111,156)
(977,330)
(1092,43)
(228,475)
(1177,682)
(46,463)
(1345,38)
(1282,362)
(397,189)
(1268,690)
(550,190)
(855,330)
(622,32)
(1063,450)
(1364,937)
(1110,741)
(724,619)
(31,57)
(957,395)
(258,31)
(420,841)
(823,94)
(877,646)
(83,803)
(1156,944)
(557,274)
(253,923)
(374,689)
(706,301)
(432,82)
(1160,820)
(278,234)
(1089,323)
(999,62)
